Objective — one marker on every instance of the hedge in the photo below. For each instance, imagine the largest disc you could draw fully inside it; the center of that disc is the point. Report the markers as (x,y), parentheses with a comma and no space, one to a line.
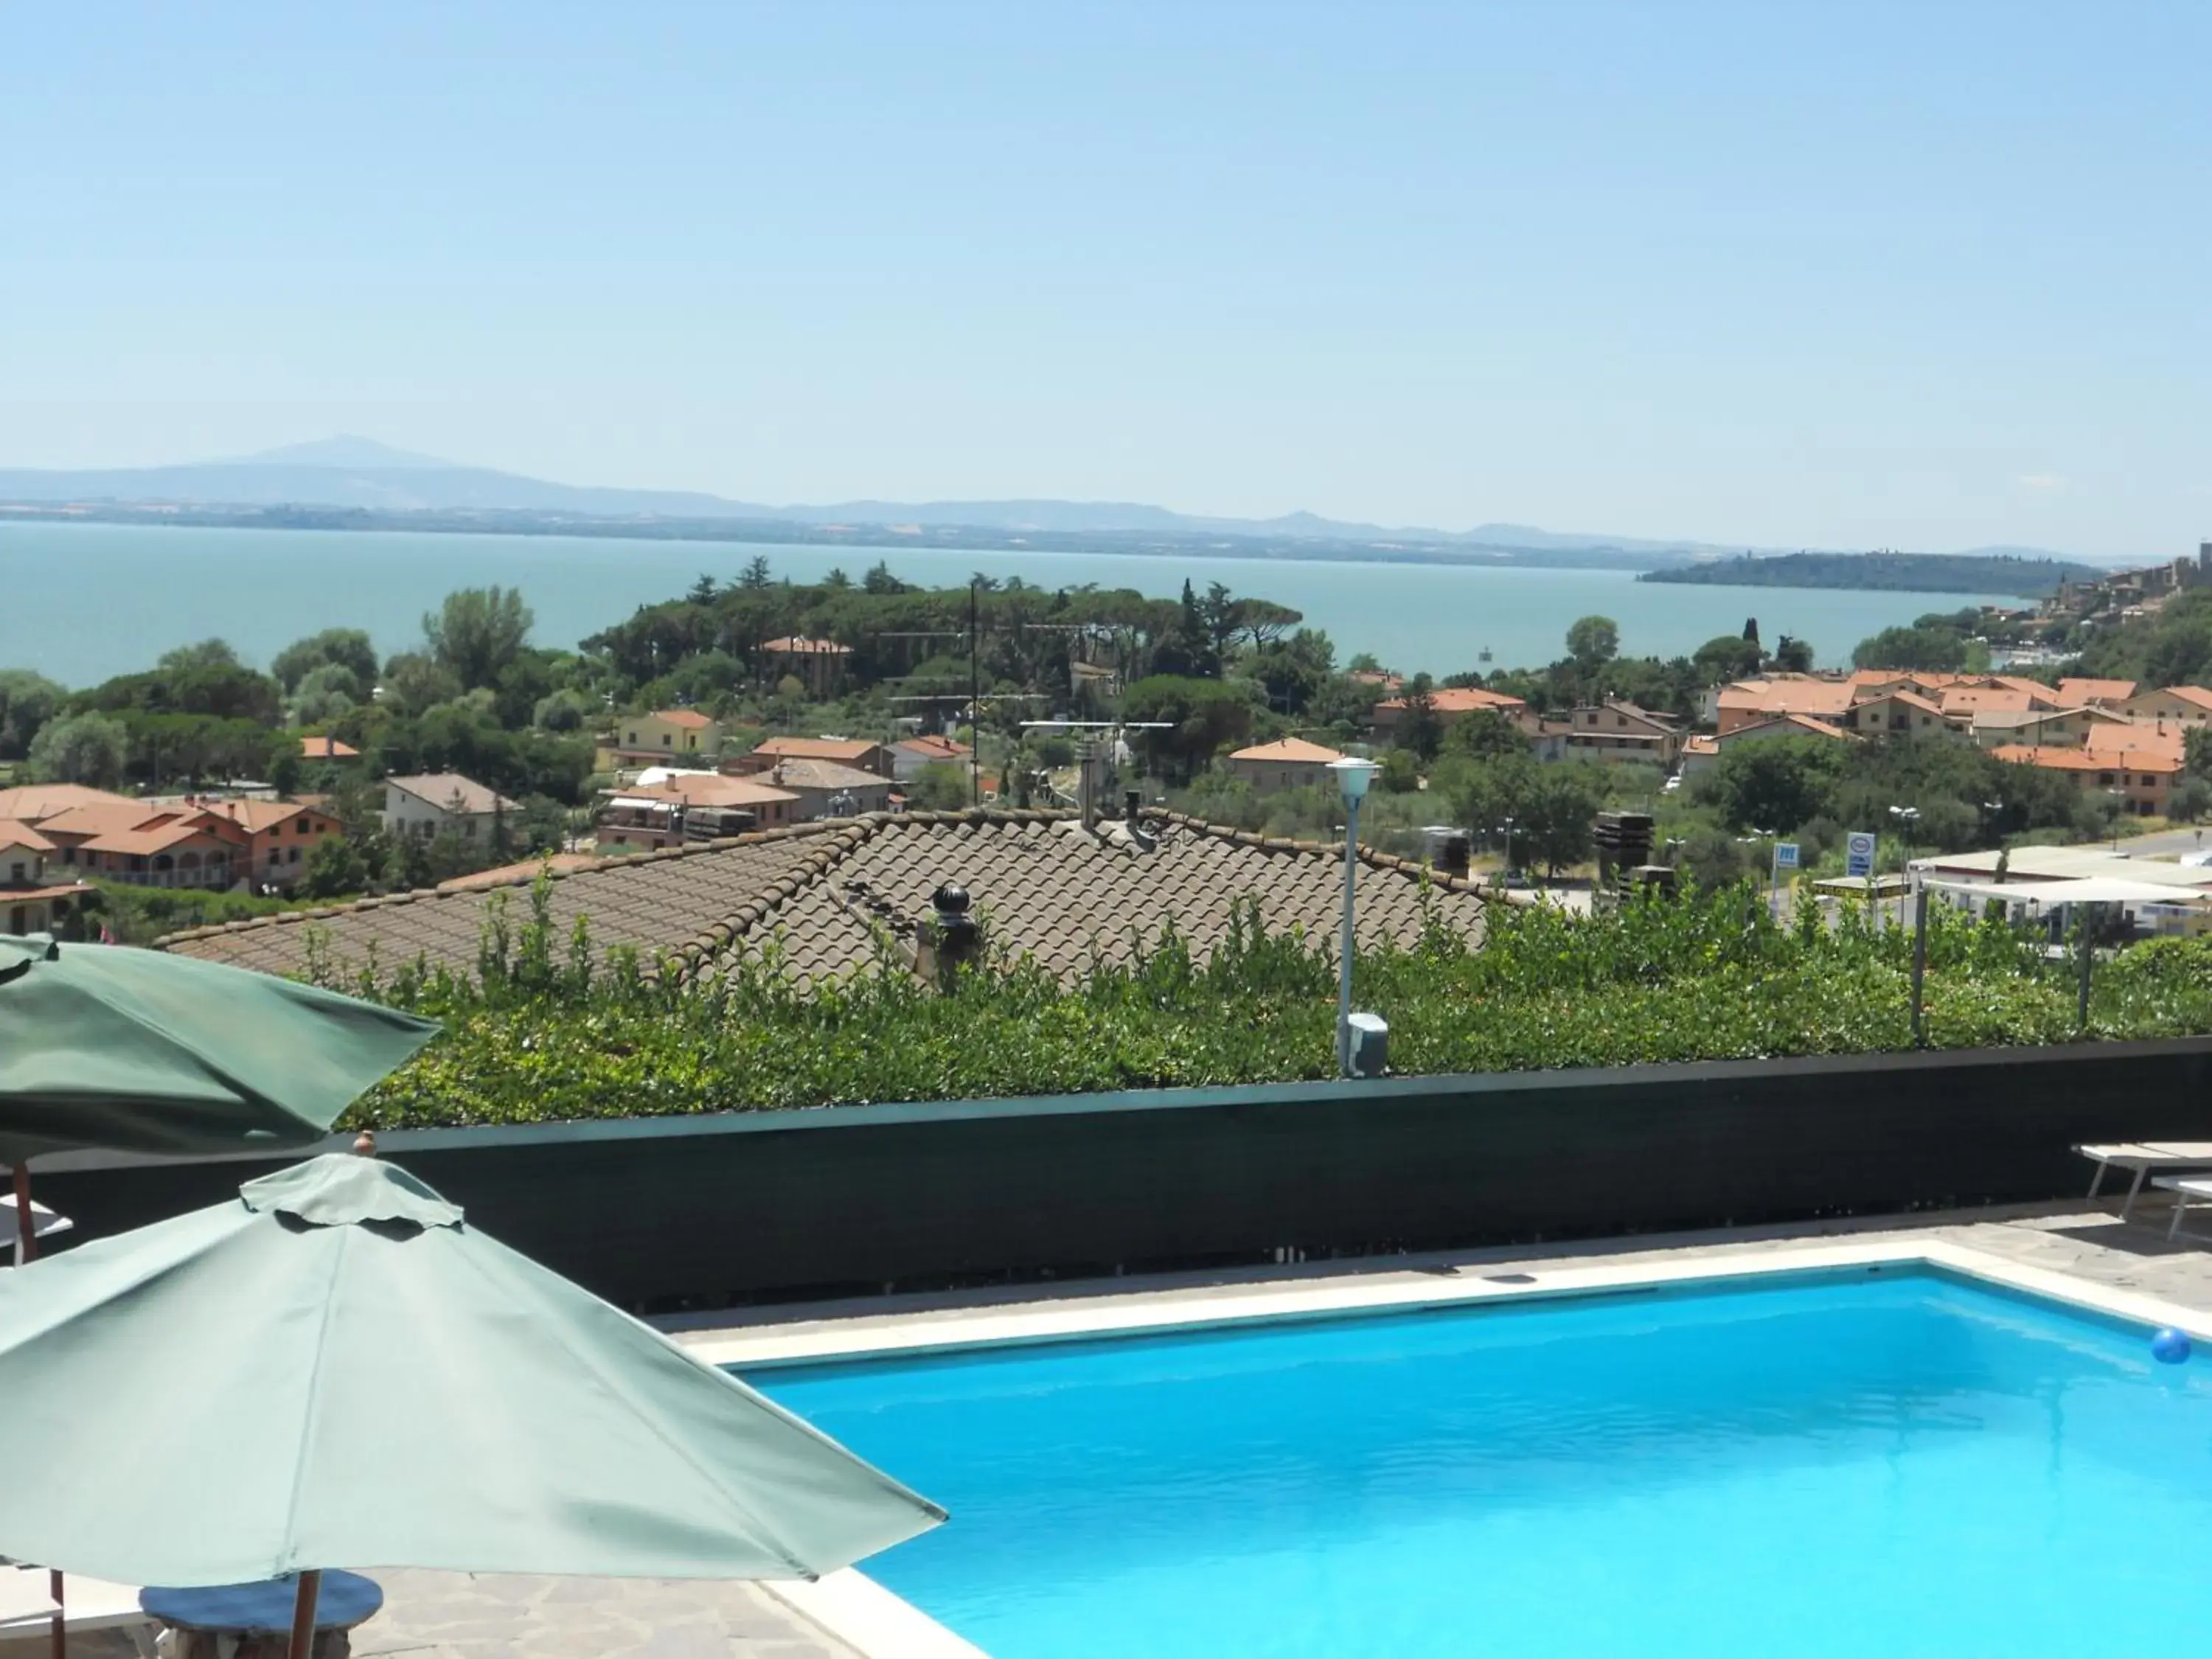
(545,1032)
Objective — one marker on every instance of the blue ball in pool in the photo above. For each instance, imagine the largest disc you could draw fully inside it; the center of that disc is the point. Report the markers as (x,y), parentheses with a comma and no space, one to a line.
(2170,1346)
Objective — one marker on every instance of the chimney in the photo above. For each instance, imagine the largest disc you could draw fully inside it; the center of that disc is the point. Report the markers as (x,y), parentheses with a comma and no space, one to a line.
(948,937)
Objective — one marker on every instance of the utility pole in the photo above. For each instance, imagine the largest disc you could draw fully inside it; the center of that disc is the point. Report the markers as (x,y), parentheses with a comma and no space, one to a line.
(975,694)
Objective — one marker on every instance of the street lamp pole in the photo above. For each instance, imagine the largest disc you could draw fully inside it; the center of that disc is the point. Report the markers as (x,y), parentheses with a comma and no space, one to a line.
(1353,777)
(1907,816)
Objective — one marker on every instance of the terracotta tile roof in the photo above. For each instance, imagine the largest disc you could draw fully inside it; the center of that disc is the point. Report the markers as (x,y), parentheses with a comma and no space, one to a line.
(1705,743)
(2075,692)
(108,816)
(525,873)
(2006,694)
(2127,737)
(2086,760)
(1909,699)
(711,789)
(439,788)
(829,749)
(326,748)
(1900,677)
(259,815)
(1987,719)
(161,835)
(28,895)
(1291,751)
(690,718)
(13,832)
(1789,696)
(1047,887)
(798,772)
(1462,700)
(1804,724)
(655,901)
(934,748)
(34,803)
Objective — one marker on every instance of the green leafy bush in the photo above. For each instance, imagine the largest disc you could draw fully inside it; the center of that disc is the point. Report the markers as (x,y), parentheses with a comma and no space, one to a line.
(549,1029)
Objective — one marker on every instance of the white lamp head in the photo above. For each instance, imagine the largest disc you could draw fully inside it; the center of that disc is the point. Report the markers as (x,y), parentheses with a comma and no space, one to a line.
(1353,777)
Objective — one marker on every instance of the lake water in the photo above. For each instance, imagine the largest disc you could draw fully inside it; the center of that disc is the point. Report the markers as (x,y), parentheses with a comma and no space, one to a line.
(81,602)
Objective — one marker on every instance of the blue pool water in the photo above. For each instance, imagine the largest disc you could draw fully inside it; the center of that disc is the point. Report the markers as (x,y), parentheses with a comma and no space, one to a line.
(1898,1465)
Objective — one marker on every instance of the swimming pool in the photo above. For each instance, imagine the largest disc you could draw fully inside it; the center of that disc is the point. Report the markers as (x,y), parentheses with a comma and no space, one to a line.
(1899,1463)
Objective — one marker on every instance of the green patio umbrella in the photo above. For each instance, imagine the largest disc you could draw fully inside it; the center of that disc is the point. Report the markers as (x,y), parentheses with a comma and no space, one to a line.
(105,1046)
(336,1370)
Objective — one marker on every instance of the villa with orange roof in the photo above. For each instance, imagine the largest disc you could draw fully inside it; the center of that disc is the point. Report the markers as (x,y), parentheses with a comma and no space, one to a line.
(1450,702)
(669,737)
(280,837)
(2094,694)
(149,843)
(819,664)
(863,753)
(2186,705)
(1703,751)
(2141,781)
(33,897)
(1897,712)
(1285,764)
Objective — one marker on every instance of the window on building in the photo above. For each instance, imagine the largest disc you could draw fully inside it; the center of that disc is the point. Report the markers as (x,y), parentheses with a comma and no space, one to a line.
(15,873)
(665,741)
(469,828)
(2104,779)
(295,856)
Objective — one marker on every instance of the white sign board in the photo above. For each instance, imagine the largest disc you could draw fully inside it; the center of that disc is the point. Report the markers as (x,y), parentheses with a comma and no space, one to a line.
(1858,853)
(1786,855)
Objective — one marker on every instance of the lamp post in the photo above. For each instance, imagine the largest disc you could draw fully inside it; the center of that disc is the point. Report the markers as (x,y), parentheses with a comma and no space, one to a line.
(1907,816)
(1353,777)
(1769,836)
(1508,828)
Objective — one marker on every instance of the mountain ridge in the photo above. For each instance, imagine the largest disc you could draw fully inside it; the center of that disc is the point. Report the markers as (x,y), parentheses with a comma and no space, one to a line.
(350,471)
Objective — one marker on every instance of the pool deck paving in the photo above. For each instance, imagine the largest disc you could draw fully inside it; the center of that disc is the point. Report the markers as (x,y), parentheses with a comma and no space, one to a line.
(452,1616)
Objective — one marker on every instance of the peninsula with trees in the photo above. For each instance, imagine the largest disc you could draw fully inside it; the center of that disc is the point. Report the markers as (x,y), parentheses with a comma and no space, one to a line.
(2028,576)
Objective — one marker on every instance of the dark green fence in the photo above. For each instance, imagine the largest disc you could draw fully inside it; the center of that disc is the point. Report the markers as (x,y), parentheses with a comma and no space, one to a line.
(775,1204)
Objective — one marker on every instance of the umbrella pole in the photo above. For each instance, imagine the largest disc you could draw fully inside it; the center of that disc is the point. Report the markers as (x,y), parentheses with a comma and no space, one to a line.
(27,1247)
(27,1230)
(303,1616)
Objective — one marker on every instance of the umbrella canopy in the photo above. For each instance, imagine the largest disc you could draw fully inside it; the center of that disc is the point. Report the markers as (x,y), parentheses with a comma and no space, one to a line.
(337,1369)
(141,1051)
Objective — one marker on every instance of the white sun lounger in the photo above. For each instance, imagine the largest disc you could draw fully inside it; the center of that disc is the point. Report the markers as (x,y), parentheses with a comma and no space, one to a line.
(2187,1192)
(2144,1157)
(26,1609)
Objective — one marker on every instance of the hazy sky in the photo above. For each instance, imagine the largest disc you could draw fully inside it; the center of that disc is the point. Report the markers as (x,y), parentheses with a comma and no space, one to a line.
(1925,275)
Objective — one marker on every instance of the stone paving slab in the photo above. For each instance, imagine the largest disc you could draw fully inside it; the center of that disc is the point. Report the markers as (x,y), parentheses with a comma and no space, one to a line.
(437,1615)
(442,1615)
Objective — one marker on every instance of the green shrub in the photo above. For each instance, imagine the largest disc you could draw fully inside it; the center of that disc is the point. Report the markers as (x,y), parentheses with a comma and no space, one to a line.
(548,1029)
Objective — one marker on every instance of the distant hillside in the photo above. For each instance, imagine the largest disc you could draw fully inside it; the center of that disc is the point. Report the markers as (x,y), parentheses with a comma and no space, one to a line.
(348,474)
(2027,577)
(361,474)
